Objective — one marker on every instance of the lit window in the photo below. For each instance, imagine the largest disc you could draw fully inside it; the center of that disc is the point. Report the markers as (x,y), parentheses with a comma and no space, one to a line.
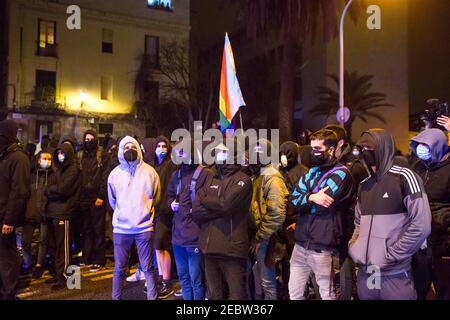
(47,30)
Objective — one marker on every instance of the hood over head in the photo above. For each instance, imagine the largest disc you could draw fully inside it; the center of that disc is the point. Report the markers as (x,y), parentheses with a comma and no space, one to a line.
(126,140)
(8,133)
(166,141)
(69,152)
(384,145)
(91,132)
(291,150)
(67,138)
(435,139)
(149,145)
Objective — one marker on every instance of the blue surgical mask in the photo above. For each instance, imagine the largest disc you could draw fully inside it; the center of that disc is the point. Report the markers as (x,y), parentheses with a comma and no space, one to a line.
(423,152)
(161,152)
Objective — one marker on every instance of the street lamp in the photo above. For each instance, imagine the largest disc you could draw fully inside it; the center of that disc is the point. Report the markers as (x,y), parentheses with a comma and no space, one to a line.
(341,65)
(83,98)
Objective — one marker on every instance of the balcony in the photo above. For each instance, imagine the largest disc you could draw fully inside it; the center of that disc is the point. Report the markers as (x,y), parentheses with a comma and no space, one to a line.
(50,50)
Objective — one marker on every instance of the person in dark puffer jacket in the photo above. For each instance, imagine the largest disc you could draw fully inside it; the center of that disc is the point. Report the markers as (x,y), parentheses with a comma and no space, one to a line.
(35,214)
(63,195)
(222,208)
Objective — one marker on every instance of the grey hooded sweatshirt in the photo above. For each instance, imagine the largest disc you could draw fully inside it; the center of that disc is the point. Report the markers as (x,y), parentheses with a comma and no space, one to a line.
(392,214)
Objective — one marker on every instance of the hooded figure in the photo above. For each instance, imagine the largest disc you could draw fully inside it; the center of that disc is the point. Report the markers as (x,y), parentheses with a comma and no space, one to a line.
(94,164)
(221,208)
(14,191)
(149,145)
(133,177)
(292,170)
(430,146)
(63,195)
(133,192)
(392,220)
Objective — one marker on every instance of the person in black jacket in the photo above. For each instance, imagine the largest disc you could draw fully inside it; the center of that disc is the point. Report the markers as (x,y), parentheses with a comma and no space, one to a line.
(345,156)
(319,197)
(35,215)
(164,215)
(63,195)
(222,210)
(14,191)
(433,166)
(93,164)
(184,183)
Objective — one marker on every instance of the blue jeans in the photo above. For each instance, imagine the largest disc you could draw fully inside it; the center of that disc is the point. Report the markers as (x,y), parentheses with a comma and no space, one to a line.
(189,269)
(122,247)
(267,274)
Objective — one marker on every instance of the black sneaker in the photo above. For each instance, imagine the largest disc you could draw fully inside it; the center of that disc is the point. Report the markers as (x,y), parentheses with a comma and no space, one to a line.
(178,293)
(165,291)
(59,285)
(38,272)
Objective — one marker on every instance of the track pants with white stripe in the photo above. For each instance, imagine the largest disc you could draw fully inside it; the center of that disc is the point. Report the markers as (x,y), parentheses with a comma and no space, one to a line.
(59,242)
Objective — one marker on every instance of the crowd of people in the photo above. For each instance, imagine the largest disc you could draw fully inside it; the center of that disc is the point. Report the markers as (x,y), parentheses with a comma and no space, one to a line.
(333,220)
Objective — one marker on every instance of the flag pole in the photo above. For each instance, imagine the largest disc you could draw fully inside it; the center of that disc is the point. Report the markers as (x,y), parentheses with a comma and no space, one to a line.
(240,116)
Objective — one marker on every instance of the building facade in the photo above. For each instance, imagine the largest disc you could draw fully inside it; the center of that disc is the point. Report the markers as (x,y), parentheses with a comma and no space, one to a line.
(70,68)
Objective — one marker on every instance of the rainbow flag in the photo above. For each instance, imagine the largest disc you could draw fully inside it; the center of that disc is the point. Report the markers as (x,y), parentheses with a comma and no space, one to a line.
(230,97)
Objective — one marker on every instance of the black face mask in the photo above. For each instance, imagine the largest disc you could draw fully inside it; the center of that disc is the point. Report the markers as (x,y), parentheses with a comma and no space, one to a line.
(369,158)
(319,158)
(130,155)
(90,145)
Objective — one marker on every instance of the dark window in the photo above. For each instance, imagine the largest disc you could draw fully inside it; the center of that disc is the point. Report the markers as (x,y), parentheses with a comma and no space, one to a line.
(160,4)
(106,90)
(151,92)
(105,128)
(46,126)
(46,38)
(45,86)
(107,41)
(152,50)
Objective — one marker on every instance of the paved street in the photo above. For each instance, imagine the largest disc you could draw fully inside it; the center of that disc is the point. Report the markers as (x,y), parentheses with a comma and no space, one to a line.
(94,286)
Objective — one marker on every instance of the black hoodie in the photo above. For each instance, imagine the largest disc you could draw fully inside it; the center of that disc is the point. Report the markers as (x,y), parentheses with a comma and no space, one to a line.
(94,166)
(165,170)
(291,173)
(36,202)
(63,191)
(436,176)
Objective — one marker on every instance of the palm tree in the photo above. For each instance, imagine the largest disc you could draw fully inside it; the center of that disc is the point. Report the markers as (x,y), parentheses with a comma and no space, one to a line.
(294,21)
(358,98)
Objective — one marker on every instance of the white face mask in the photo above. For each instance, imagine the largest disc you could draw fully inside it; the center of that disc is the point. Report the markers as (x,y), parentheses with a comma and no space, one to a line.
(423,152)
(222,157)
(61,157)
(45,164)
(284,161)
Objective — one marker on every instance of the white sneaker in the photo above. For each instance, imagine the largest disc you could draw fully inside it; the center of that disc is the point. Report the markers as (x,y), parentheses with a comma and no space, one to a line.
(136,277)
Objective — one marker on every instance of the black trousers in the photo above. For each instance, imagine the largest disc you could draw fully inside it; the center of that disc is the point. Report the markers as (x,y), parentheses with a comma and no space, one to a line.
(229,271)
(9,266)
(59,242)
(94,237)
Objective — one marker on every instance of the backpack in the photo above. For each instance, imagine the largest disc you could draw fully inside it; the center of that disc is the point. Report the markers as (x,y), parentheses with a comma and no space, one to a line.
(193,183)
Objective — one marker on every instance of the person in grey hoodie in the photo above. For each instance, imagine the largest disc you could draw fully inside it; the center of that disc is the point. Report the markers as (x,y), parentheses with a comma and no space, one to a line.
(392,221)
(133,193)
